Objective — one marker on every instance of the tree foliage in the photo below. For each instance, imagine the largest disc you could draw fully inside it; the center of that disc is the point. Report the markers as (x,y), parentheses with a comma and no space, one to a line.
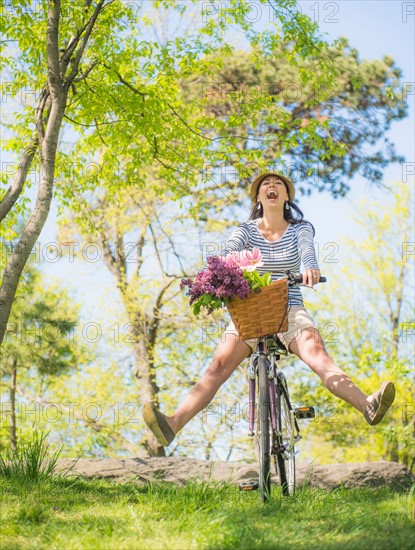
(365,316)
(322,133)
(92,71)
(39,344)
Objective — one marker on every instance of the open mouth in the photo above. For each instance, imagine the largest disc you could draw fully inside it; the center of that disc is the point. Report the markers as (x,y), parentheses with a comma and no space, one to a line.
(272,194)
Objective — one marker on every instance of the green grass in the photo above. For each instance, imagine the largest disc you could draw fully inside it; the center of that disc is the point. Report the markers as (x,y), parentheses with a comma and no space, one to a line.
(75,513)
(31,461)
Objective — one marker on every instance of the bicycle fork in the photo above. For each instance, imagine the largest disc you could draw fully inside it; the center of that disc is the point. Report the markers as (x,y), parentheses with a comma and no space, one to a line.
(272,401)
(252,386)
(251,406)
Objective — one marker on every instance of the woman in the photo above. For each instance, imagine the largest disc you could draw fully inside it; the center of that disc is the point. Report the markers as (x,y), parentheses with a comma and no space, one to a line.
(285,241)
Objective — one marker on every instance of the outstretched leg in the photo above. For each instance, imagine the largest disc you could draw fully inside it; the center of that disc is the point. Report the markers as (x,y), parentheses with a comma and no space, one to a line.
(309,347)
(228,356)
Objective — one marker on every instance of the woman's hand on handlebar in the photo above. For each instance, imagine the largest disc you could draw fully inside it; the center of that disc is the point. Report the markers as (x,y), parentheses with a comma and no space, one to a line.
(311,277)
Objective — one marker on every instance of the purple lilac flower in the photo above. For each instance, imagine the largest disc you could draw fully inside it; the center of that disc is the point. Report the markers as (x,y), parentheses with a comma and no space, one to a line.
(219,279)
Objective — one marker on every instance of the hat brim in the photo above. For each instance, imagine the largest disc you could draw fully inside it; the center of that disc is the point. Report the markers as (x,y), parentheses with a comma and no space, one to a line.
(257,182)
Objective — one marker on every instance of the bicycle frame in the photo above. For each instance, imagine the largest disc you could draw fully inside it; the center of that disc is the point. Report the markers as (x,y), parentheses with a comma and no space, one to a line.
(273,375)
(276,418)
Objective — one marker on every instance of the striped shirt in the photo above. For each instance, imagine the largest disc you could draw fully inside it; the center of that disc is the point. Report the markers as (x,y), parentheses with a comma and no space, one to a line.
(296,246)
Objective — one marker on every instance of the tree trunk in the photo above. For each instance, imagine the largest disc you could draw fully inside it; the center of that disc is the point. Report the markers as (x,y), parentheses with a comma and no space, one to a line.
(31,232)
(13,376)
(55,98)
(147,387)
(141,326)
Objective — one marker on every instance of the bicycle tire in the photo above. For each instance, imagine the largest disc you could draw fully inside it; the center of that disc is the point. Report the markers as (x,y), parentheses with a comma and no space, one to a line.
(263,437)
(285,461)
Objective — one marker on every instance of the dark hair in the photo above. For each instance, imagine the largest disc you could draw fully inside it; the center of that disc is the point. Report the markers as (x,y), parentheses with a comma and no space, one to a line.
(258,212)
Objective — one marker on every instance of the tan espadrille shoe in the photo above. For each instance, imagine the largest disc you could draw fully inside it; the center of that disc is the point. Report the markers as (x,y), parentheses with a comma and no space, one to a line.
(380,402)
(157,423)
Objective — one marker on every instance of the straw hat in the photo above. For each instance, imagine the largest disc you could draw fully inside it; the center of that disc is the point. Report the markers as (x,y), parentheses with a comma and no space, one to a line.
(257,182)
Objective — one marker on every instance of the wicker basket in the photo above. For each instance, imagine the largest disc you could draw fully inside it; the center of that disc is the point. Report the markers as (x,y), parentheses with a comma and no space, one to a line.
(263,312)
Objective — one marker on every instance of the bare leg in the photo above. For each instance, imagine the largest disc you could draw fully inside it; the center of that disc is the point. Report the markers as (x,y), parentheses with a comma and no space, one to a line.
(309,347)
(228,356)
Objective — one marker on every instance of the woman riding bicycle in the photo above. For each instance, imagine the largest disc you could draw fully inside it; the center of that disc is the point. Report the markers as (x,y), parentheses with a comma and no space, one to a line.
(285,241)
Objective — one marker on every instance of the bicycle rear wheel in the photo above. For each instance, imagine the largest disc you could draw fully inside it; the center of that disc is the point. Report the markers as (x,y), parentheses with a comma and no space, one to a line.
(285,455)
(263,438)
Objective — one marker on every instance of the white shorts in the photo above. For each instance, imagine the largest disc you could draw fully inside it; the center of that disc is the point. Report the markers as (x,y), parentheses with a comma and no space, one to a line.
(298,320)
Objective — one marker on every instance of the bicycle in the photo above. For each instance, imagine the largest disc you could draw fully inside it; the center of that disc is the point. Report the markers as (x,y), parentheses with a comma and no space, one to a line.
(277,427)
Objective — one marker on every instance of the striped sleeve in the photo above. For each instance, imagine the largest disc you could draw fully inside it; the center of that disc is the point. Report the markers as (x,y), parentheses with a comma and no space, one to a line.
(238,240)
(305,243)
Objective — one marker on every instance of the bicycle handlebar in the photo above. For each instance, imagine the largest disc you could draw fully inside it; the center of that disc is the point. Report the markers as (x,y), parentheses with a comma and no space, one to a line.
(297,278)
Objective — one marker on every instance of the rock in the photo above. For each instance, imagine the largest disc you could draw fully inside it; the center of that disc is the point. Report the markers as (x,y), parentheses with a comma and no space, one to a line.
(179,470)
(363,474)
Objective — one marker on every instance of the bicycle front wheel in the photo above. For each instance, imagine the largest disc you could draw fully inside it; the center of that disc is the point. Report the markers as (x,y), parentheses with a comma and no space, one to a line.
(263,430)
(285,457)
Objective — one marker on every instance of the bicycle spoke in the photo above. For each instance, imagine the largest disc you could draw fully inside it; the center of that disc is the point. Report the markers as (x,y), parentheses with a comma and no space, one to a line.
(285,457)
(263,431)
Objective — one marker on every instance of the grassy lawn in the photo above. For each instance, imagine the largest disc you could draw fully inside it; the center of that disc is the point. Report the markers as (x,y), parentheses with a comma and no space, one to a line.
(71,513)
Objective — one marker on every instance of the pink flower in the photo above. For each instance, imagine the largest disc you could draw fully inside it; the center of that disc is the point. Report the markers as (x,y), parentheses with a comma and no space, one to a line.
(232,258)
(251,259)
(247,260)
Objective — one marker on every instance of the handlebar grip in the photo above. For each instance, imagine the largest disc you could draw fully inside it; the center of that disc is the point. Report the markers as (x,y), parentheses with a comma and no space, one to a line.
(298,278)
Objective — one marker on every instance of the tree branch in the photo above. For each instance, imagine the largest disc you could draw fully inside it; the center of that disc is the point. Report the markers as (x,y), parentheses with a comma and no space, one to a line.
(52,49)
(140,246)
(97,123)
(126,83)
(43,102)
(109,258)
(86,73)
(120,259)
(157,250)
(155,321)
(187,126)
(75,65)
(16,188)
(99,133)
(171,243)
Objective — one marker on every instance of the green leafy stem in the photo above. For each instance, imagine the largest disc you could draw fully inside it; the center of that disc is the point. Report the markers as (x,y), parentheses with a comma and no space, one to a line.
(255,280)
